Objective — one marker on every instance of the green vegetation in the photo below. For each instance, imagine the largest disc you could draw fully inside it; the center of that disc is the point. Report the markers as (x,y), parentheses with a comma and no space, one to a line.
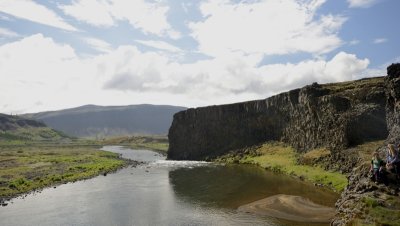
(380,212)
(281,158)
(24,168)
(16,129)
(34,157)
(32,134)
(314,155)
(157,143)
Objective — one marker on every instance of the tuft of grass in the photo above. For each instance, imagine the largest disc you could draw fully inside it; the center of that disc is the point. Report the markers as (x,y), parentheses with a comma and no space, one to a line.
(385,216)
(370,202)
(358,222)
(386,212)
(313,155)
(279,157)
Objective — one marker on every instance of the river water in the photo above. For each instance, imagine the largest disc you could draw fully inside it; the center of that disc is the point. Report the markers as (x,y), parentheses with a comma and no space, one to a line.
(160,192)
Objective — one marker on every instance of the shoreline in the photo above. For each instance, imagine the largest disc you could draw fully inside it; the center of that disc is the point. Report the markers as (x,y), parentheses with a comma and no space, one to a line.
(117,164)
(4,201)
(280,158)
(7,200)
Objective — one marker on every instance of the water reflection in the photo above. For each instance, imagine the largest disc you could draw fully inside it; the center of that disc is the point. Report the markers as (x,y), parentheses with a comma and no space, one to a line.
(231,186)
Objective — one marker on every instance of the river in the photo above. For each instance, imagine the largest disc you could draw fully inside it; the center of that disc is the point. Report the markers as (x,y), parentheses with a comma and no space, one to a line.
(161,192)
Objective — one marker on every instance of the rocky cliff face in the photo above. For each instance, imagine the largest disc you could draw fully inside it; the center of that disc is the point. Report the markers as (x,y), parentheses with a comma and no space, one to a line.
(355,202)
(392,81)
(333,115)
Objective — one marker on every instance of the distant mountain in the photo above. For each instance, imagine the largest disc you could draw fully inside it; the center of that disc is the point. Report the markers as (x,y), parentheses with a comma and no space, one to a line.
(18,128)
(102,121)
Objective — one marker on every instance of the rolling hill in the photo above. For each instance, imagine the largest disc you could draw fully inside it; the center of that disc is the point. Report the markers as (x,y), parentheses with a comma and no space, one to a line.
(102,121)
(18,128)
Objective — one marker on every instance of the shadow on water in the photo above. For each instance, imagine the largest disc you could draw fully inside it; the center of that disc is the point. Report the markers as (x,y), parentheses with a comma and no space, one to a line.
(234,185)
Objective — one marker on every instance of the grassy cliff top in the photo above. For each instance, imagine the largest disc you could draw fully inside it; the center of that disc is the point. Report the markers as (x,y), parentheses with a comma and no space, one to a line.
(354,85)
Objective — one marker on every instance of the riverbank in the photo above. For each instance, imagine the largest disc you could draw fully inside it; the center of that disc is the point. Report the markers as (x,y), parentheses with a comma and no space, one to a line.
(281,158)
(157,143)
(30,167)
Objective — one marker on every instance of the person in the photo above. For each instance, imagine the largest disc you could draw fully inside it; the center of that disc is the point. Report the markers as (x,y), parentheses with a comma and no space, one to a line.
(376,167)
(392,160)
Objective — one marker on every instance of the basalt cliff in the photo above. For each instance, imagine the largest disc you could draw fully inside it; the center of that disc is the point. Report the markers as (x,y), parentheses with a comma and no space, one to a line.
(335,116)
(392,82)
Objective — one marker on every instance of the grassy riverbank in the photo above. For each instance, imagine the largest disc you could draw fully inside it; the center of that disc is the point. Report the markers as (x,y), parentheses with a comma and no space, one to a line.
(281,158)
(24,168)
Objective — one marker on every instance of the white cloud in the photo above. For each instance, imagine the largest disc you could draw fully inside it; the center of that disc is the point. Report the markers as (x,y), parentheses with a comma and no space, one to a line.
(32,11)
(160,45)
(221,80)
(35,69)
(380,40)
(266,27)
(59,78)
(342,67)
(93,12)
(6,33)
(150,17)
(361,3)
(33,52)
(98,44)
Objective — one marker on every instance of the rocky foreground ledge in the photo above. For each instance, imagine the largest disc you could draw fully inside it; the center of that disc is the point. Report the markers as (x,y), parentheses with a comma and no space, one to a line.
(367,203)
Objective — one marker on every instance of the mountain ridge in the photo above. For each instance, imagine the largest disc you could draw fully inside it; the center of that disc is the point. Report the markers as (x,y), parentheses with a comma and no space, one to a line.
(104,121)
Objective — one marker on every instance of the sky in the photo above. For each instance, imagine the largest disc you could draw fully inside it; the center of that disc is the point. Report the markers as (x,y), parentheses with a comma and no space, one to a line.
(64,54)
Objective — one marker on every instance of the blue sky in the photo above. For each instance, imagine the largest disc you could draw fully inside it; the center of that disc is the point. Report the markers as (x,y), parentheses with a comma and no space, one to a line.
(61,54)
